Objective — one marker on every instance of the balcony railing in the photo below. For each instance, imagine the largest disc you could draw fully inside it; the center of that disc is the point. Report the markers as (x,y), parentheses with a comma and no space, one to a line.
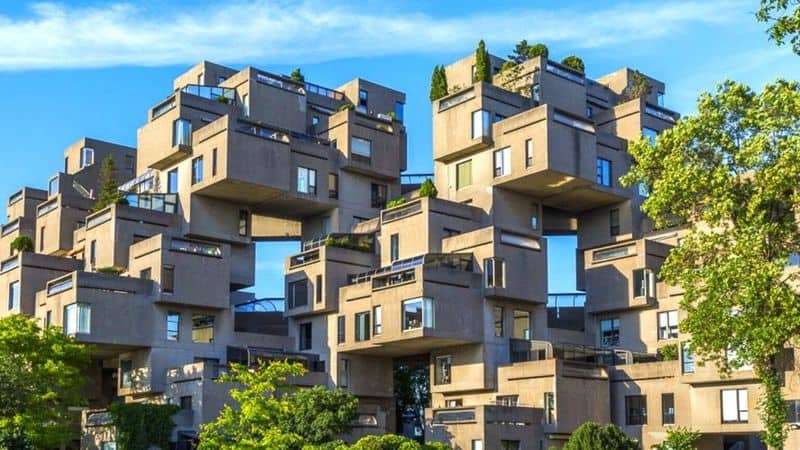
(565,73)
(304,258)
(98,219)
(167,203)
(402,211)
(456,261)
(353,241)
(15,198)
(196,248)
(162,108)
(47,207)
(9,264)
(323,91)
(523,350)
(264,132)
(216,93)
(280,83)
(456,99)
(59,286)
(10,227)
(392,279)
(660,113)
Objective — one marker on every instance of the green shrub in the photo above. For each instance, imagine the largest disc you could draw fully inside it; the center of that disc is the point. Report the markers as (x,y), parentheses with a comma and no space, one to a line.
(22,244)
(111,270)
(141,425)
(428,189)
(222,99)
(297,76)
(591,436)
(346,107)
(668,352)
(438,83)
(483,69)
(638,87)
(574,63)
(679,439)
(395,202)
(346,242)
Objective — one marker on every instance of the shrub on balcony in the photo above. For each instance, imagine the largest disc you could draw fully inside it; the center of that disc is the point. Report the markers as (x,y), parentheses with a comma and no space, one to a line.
(223,99)
(428,189)
(483,69)
(438,83)
(346,242)
(111,270)
(346,107)
(395,202)
(668,352)
(297,76)
(109,193)
(638,87)
(523,52)
(22,244)
(141,425)
(574,63)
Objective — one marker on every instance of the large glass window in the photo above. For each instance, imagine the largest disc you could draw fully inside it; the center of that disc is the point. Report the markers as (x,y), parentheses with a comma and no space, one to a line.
(636,410)
(650,134)
(87,157)
(444,369)
(246,105)
(687,358)
(197,170)
(481,125)
(609,332)
(202,328)
(644,283)
(498,312)
(549,408)
(734,406)
(506,444)
(377,319)
(52,186)
(340,330)
(536,94)
(394,253)
(344,373)
(297,293)
(668,325)
(603,172)
(667,409)
(613,222)
(168,279)
(333,185)
(418,313)
(494,272)
(363,100)
(173,326)
(793,411)
(502,162)
(13,295)
(378,195)
(304,340)
(126,373)
(398,111)
(306,180)
(528,152)
(77,318)
(181,132)
(361,149)
(172,181)
(362,327)
(522,325)
(464,174)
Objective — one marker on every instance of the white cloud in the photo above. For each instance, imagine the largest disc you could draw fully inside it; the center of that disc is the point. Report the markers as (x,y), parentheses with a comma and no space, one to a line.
(59,36)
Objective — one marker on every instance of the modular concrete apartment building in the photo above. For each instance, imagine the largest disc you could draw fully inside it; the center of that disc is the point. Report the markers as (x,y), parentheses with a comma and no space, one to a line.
(234,157)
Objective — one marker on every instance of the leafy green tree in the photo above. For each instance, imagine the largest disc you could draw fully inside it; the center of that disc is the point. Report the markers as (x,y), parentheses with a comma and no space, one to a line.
(412,390)
(574,63)
(42,375)
(679,439)
(394,442)
(438,83)
(523,51)
(483,69)
(272,414)
(731,173)
(109,192)
(638,87)
(297,75)
(783,17)
(591,436)
(428,189)
(21,244)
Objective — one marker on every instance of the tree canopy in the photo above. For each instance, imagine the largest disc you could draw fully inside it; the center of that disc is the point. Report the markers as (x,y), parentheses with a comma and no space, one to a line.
(783,17)
(679,439)
(42,374)
(574,63)
(731,173)
(591,436)
(297,75)
(523,52)
(638,87)
(109,191)
(483,67)
(438,83)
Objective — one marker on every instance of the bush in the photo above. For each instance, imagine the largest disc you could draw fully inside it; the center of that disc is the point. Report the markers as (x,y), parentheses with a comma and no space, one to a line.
(396,202)
(346,107)
(111,270)
(345,242)
(297,76)
(22,244)
(428,189)
(394,442)
(679,439)
(591,436)
(141,425)
(574,63)
(222,99)
(668,352)
(638,87)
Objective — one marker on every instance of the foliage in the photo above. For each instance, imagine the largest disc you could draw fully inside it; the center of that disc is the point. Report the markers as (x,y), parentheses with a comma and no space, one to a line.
(346,242)
(42,373)
(428,189)
(394,442)
(109,193)
(222,99)
(679,439)
(14,438)
(21,244)
(396,202)
(638,87)
(392,115)
(273,414)
(412,390)
(111,270)
(668,352)
(574,63)
(591,436)
(438,83)
(483,68)
(297,76)
(346,107)
(523,52)
(142,425)
(784,23)
(731,172)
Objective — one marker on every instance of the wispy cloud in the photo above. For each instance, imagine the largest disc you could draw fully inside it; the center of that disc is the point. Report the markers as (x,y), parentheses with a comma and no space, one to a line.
(55,35)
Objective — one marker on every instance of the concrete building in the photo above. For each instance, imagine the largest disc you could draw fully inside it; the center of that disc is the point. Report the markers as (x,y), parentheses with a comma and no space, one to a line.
(231,157)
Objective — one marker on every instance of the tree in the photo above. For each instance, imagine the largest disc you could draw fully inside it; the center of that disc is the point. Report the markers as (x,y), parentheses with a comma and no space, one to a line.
(273,414)
(297,75)
(784,22)
(109,192)
(679,439)
(438,83)
(574,63)
(483,69)
(428,189)
(731,174)
(523,52)
(42,374)
(21,244)
(591,436)
(638,87)
(412,391)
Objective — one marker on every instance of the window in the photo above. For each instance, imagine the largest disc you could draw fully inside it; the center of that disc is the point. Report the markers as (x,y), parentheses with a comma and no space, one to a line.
(314,120)
(13,295)
(306,180)
(129,162)
(244,222)
(454,403)
(333,185)
(589,111)
(173,326)
(340,330)
(48,318)
(650,134)
(660,98)
(644,283)
(214,162)
(481,127)
(636,410)
(502,162)
(793,411)
(186,403)
(613,222)
(126,374)
(644,191)
(667,409)
(418,313)
(344,373)
(494,272)
(246,105)
(734,405)
(197,170)
(377,319)
(509,445)
(379,192)
(181,132)
(304,340)
(298,293)
(77,318)
(464,174)
(172,181)
(87,157)
(443,372)
(146,274)
(168,279)
(668,325)
(41,239)
(361,149)
(498,321)
(398,111)
(507,400)
(52,186)
(528,152)
(549,408)
(603,172)
(687,356)
(522,325)
(362,327)
(536,94)
(202,328)
(394,247)
(477,444)
(92,253)
(609,332)
(535,217)
(363,100)
(318,289)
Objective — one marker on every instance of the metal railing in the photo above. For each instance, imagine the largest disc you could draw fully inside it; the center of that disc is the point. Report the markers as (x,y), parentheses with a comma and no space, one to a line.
(216,93)
(264,132)
(565,73)
(280,82)
(167,203)
(456,261)
(415,178)
(404,210)
(162,108)
(355,241)
(323,91)
(303,258)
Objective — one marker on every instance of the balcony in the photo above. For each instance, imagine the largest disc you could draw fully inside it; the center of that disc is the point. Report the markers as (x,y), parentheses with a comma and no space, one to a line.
(35,269)
(23,203)
(166,203)
(459,427)
(215,93)
(58,217)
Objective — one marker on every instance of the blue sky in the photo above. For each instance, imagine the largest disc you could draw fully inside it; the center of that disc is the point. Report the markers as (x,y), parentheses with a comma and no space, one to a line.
(89,68)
